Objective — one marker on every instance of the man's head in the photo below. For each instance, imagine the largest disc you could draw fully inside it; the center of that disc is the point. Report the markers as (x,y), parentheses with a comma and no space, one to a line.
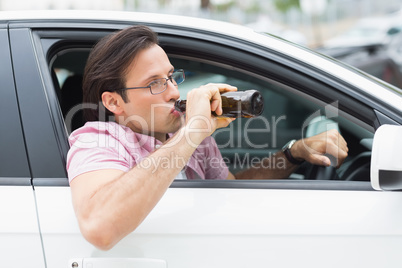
(108,62)
(118,76)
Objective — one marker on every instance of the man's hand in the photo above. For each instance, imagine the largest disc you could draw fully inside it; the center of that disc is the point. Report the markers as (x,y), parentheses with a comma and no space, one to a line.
(200,103)
(317,148)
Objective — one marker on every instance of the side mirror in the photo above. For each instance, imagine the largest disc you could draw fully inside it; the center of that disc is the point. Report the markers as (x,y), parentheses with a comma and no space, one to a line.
(386,158)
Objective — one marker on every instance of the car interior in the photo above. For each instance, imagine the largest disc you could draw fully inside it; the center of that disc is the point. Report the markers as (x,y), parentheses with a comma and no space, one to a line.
(246,141)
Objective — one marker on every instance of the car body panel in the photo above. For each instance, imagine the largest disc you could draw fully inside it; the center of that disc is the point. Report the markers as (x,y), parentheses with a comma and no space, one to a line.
(19,230)
(34,104)
(14,169)
(21,243)
(242,227)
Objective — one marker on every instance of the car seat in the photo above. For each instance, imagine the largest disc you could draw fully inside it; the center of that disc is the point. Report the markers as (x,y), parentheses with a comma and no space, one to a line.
(71,97)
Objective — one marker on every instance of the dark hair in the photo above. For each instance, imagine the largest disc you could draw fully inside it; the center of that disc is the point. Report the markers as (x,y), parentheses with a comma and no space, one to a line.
(108,62)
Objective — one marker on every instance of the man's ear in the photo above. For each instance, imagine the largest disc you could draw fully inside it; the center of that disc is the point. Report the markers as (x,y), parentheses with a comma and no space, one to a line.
(113,102)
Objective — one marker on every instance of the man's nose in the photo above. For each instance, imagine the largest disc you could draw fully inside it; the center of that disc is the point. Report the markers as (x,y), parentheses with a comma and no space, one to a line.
(172,90)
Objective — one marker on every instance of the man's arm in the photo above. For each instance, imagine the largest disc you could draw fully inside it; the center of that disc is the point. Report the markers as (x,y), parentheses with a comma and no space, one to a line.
(109,204)
(311,149)
(274,167)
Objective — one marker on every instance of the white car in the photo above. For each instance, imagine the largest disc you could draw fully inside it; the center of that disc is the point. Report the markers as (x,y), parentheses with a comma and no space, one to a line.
(319,217)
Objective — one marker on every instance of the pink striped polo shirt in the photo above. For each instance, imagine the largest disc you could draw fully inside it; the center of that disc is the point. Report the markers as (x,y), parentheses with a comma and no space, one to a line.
(109,145)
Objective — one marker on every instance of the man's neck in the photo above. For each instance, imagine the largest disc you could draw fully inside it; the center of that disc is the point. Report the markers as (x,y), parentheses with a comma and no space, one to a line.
(160,136)
(157,135)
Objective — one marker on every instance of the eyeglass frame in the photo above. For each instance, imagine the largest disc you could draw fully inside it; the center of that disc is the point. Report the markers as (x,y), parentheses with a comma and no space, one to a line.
(170,77)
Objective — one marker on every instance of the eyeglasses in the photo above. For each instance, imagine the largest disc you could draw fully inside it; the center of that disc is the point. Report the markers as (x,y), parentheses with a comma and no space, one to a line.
(159,85)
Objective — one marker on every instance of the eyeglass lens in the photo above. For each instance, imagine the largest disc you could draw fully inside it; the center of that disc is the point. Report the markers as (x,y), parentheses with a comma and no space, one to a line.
(160,85)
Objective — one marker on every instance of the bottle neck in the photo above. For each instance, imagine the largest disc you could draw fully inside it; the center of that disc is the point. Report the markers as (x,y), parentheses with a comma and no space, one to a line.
(180,105)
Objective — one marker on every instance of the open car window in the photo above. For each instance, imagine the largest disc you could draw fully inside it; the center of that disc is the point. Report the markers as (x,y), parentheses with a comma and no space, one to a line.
(246,141)
(287,114)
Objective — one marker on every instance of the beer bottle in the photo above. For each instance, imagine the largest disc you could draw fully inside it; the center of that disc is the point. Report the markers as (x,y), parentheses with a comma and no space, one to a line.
(235,104)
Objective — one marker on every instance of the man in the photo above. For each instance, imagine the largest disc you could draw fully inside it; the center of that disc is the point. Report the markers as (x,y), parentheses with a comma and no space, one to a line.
(119,170)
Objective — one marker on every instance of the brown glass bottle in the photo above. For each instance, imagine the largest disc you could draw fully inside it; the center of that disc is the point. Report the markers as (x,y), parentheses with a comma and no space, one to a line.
(235,104)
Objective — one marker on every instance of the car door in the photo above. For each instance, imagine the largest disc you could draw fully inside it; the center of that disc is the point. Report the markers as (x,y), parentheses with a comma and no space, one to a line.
(282,223)
(19,231)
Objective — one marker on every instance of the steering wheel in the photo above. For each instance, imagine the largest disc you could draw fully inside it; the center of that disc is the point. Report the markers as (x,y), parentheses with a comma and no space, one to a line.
(316,126)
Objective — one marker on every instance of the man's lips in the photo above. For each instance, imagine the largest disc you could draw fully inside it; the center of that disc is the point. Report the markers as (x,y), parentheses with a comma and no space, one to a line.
(175,112)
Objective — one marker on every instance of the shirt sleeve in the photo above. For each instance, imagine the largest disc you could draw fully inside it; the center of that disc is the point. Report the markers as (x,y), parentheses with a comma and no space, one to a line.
(91,155)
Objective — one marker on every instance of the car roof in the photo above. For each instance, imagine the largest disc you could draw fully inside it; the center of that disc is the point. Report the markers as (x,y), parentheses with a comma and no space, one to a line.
(102,15)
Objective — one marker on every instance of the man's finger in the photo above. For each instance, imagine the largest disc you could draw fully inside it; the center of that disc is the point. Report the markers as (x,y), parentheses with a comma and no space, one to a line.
(321,160)
(222,122)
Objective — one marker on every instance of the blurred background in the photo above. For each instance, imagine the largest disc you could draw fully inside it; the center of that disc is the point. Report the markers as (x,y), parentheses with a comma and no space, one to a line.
(366,34)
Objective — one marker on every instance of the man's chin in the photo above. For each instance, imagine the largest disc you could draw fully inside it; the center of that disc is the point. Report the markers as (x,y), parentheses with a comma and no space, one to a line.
(176,126)
(171,127)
